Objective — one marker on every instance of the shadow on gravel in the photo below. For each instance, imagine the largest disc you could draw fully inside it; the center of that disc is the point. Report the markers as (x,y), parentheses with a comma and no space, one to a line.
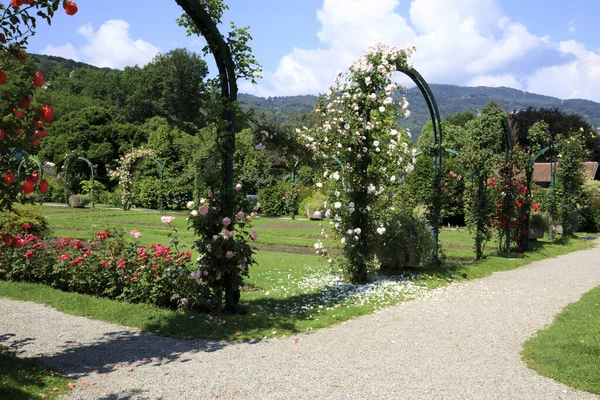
(115,350)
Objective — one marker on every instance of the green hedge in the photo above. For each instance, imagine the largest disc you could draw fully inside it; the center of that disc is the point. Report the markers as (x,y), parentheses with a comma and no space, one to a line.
(15,221)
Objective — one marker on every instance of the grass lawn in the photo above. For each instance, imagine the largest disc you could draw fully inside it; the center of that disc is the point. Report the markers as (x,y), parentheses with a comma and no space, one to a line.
(22,379)
(288,291)
(569,349)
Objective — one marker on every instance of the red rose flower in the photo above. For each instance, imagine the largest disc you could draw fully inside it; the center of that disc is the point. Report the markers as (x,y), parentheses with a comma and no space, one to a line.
(16,3)
(2,134)
(535,207)
(25,102)
(43,186)
(34,177)
(40,134)
(26,226)
(46,113)
(2,38)
(18,113)
(70,8)
(27,187)
(38,79)
(2,77)
(9,178)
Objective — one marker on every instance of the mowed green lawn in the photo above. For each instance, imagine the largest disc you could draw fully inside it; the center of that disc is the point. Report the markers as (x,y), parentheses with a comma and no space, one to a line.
(274,233)
(289,290)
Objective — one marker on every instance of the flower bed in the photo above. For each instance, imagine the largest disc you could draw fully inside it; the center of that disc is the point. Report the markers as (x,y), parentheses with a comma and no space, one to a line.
(109,266)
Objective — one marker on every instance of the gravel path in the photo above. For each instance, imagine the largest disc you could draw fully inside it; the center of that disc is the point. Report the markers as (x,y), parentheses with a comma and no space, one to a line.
(462,342)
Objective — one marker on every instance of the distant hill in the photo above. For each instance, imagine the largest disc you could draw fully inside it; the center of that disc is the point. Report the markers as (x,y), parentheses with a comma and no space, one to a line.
(45,64)
(451,99)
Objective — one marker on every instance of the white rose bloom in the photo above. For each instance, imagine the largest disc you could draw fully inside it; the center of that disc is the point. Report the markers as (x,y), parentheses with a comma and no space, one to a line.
(190,205)
(194,213)
(337,205)
(376,143)
(393,178)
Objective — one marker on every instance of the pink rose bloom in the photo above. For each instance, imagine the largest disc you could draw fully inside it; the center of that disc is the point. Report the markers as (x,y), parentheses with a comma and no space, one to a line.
(203,210)
(254,235)
(184,301)
(229,255)
(136,234)
(238,186)
(209,194)
(196,275)
(167,219)
(225,233)
(226,221)
(253,214)
(209,247)
(143,267)
(240,215)
(242,267)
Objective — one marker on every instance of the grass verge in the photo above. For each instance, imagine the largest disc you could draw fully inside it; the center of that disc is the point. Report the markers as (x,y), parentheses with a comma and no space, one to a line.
(286,293)
(569,349)
(23,378)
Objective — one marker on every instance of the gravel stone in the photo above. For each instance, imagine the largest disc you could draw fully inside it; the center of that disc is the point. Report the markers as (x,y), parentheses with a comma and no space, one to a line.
(461,342)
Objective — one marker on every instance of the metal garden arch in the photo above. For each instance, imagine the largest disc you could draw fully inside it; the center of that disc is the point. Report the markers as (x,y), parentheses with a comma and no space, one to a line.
(89,163)
(436,121)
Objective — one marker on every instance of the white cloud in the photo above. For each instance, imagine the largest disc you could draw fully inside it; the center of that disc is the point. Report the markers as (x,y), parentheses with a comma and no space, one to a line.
(464,42)
(579,78)
(572,27)
(110,46)
(66,51)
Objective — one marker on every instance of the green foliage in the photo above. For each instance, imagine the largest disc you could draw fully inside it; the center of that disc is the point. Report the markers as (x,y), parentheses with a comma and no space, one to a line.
(147,194)
(570,179)
(403,241)
(15,221)
(482,144)
(100,194)
(272,199)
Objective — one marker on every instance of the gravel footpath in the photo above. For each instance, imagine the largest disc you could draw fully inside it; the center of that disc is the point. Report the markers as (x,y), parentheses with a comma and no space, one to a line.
(462,342)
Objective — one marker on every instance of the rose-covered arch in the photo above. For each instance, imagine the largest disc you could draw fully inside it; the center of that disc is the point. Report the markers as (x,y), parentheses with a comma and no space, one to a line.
(124,173)
(358,130)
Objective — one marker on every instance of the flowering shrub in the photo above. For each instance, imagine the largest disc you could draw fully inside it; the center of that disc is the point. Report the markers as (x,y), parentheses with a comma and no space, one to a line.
(363,154)
(124,174)
(512,200)
(404,240)
(226,251)
(108,266)
(24,123)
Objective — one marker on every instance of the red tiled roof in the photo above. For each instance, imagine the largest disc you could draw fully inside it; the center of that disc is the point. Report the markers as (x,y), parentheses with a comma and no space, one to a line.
(541,171)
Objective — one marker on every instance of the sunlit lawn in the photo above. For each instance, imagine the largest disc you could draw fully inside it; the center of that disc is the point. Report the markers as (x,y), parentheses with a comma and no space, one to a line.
(569,349)
(286,292)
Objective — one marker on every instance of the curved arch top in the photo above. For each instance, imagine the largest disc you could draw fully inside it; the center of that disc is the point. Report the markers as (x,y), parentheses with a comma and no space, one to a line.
(92,176)
(436,121)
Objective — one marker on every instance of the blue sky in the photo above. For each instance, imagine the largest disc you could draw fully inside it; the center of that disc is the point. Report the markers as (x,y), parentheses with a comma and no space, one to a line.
(540,46)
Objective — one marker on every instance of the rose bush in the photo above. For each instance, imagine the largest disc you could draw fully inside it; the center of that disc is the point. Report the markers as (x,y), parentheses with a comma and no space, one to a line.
(107,266)
(363,153)
(225,246)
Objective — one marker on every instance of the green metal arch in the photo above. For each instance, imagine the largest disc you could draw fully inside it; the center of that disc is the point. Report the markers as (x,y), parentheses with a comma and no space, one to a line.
(160,174)
(436,121)
(92,176)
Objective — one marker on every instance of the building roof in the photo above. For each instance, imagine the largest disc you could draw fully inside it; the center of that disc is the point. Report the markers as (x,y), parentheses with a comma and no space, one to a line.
(541,171)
